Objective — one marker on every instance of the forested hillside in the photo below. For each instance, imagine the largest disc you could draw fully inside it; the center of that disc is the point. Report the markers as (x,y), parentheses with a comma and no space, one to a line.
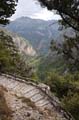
(11,59)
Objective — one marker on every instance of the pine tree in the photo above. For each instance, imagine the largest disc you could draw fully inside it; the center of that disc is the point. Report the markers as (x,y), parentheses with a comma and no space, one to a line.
(7,9)
(67,9)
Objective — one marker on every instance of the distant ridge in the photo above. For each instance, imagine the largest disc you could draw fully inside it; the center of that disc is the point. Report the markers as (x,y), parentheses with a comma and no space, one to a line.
(38,32)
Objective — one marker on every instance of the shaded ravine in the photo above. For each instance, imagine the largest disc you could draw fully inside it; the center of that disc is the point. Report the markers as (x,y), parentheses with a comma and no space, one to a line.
(39,96)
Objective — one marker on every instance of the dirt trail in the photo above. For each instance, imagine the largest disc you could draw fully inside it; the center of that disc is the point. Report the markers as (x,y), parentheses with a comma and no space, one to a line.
(29,102)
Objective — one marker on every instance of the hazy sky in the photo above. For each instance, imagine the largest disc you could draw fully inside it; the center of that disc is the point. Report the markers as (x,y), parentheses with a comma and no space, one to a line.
(29,8)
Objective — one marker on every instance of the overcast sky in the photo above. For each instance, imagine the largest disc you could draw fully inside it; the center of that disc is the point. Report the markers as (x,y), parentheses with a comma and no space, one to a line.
(29,8)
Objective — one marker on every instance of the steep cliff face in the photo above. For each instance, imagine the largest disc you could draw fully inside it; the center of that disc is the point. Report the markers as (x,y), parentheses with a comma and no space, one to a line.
(22,45)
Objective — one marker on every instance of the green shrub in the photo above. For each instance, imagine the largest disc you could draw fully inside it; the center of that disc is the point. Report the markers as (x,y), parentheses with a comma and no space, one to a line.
(58,84)
(71,104)
(66,88)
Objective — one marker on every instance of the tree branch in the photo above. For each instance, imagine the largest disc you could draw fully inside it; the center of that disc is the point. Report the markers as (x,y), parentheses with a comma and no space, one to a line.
(76,28)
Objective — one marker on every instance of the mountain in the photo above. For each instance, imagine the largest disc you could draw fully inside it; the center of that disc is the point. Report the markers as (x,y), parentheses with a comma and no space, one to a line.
(38,32)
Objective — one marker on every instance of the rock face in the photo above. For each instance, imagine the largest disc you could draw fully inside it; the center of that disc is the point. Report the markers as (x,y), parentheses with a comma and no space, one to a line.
(29,102)
(21,44)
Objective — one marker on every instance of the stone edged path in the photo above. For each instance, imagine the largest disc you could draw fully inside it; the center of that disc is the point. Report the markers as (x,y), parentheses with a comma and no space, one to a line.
(35,94)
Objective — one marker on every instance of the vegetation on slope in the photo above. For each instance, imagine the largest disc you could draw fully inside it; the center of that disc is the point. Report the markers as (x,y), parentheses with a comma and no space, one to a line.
(66,88)
(48,64)
(55,70)
(11,60)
